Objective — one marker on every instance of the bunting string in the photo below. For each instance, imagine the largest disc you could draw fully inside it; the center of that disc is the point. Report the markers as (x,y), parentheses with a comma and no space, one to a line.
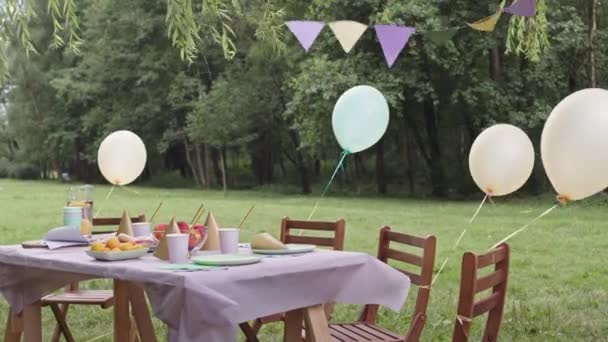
(392,37)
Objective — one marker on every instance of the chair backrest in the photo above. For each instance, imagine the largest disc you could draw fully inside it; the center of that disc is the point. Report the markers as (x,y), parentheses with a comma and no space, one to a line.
(113,221)
(471,284)
(336,242)
(426,262)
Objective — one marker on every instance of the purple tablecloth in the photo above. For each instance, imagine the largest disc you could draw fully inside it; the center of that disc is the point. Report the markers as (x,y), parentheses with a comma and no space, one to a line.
(208,305)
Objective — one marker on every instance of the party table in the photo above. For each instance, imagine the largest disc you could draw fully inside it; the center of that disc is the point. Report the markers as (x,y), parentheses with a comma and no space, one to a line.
(204,305)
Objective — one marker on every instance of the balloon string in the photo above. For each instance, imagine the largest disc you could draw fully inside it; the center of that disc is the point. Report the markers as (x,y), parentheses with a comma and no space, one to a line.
(104,201)
(130,190)
(464,231)
(333,176)
(479,208)
(525,226)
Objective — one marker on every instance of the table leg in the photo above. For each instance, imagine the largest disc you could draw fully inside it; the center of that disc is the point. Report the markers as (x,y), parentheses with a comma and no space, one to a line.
(317,328)
(293,326)
(141,313)
(122,321)
(32,322)
(14,327)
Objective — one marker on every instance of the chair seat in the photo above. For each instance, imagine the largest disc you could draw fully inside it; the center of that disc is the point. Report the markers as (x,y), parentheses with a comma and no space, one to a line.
(359,332)
(104,298)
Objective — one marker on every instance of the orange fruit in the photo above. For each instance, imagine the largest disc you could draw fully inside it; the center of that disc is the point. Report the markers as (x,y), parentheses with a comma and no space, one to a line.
(113,243)
(98,246)
(126,246)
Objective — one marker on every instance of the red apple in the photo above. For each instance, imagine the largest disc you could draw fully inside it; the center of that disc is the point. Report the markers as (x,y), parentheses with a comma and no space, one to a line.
(159,230)
(183,226)
(197,235)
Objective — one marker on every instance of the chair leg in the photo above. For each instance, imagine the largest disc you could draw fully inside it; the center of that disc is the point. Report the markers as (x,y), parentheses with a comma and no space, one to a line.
(133,335)
(257,325)
(13,330)
(250,334)
(62,325)
(413,335)
(57,333)
(329,310)
(141,321)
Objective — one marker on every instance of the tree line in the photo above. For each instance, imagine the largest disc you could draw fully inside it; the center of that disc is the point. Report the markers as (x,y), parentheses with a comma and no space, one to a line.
(263,117)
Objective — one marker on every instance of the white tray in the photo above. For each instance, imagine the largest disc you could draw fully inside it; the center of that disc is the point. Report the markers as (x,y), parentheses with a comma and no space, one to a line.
(117,256)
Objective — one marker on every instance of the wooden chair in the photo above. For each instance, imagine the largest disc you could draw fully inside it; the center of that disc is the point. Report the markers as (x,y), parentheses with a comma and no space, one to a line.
(366,329)
(336,243)
(60,302)
(471,284)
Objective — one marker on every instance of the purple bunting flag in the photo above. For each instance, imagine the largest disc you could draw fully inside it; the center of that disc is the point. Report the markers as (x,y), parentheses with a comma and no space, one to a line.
(393,39)
(305,31)
(522,8)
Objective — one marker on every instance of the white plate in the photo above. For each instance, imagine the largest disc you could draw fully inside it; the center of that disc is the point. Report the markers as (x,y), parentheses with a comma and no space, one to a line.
(226,259)
(117,256)
(292,248)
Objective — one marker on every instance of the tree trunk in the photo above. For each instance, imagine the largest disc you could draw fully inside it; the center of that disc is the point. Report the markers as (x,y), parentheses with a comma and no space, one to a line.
(223,168)
(380,175)
(206,151)
(300,163)
(435,153)
(189,160)
(305,178)
(410,164)
(282,167)
(216,160)
(317,168)
(592,30)
(199,164)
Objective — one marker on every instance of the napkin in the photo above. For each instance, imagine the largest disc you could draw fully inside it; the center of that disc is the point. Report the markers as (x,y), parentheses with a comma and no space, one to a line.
(162,250)
(65,237)
(266,241)
(213,234)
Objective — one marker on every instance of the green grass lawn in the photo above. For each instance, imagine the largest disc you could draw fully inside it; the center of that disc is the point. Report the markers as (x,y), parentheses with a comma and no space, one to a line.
(558,282)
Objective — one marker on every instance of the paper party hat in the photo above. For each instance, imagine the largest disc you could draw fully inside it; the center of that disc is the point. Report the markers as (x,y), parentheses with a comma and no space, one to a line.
(162,250)
(213,234)
(125,226)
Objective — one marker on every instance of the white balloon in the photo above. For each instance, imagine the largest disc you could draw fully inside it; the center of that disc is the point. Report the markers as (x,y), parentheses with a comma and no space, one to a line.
(501,159)
(121,157)
(574,145)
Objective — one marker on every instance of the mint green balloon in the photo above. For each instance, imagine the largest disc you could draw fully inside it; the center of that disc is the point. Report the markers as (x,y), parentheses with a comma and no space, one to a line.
(360,118)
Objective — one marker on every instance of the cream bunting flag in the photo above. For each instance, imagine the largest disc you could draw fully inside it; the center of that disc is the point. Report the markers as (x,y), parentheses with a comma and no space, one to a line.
(347,32)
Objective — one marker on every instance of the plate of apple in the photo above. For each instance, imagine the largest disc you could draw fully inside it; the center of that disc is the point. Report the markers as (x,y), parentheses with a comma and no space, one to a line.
(198,234)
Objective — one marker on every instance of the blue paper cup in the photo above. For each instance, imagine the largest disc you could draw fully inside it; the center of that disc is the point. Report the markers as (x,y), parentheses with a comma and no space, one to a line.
(72,216)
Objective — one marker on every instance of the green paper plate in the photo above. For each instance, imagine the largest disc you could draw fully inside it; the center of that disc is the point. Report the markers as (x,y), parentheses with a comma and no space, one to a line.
(292,248)
(226,259)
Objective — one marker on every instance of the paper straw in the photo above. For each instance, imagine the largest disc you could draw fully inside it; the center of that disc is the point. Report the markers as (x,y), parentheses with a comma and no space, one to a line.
(156,211)
(246,216)
(197,212)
